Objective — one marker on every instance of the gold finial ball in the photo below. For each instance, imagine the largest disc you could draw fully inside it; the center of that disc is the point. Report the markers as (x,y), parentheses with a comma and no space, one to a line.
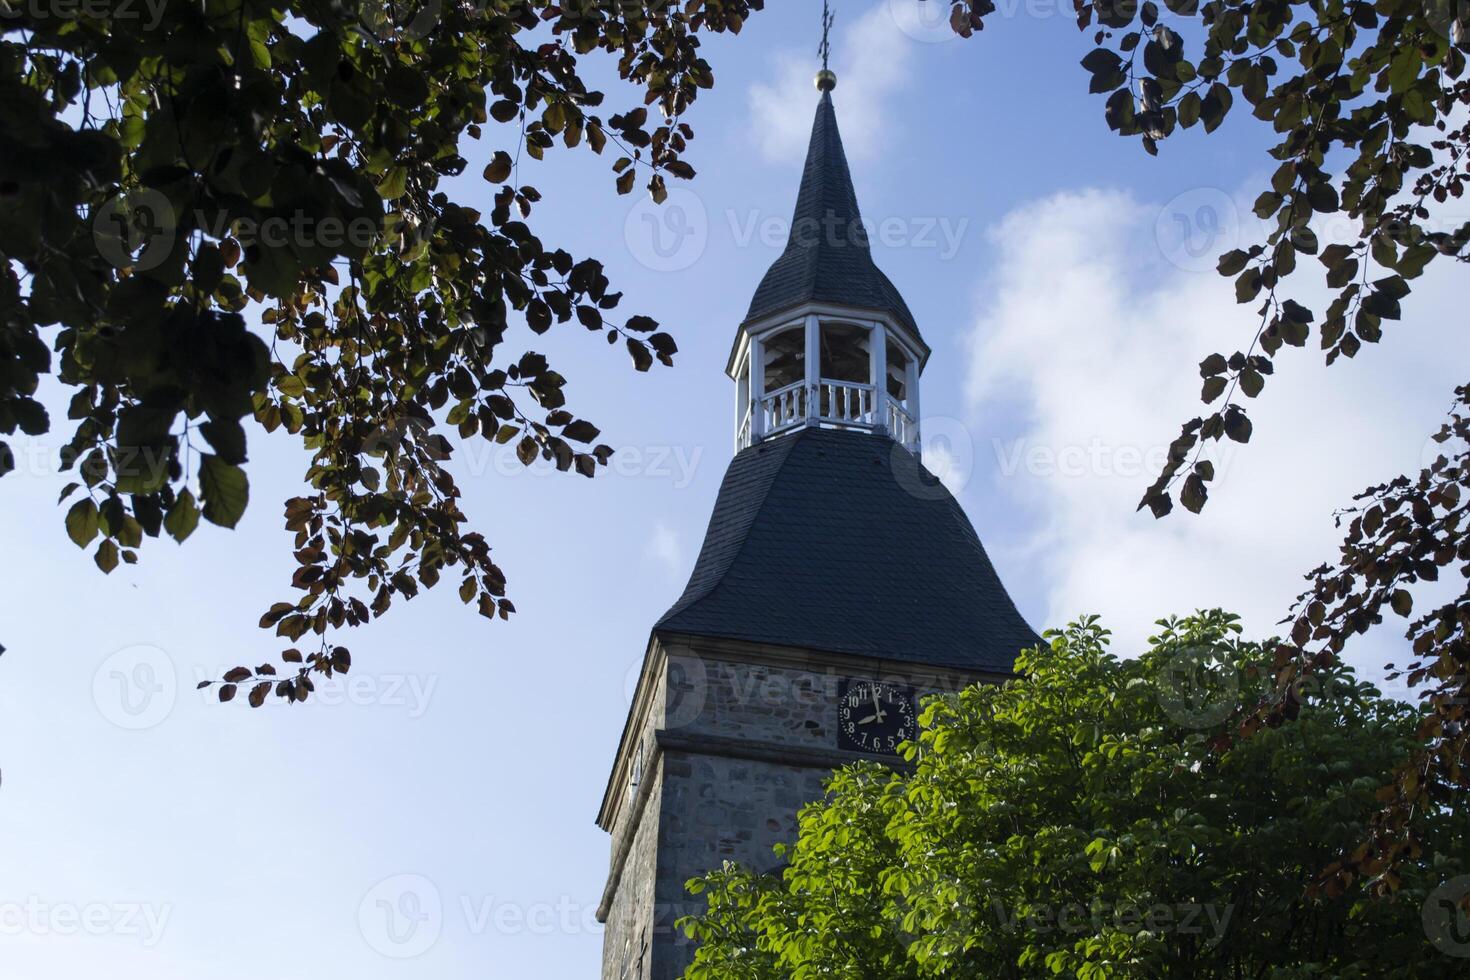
(826,81)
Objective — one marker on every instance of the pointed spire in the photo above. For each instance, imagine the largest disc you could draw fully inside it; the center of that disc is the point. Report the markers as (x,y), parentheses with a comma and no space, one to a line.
(826,257)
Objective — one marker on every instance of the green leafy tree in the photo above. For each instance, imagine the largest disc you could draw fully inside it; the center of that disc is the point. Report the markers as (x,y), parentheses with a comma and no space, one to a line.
(1088,820)
(1368,101)
(169,167)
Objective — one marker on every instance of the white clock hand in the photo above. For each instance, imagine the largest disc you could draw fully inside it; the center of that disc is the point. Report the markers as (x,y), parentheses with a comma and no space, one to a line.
(881,714)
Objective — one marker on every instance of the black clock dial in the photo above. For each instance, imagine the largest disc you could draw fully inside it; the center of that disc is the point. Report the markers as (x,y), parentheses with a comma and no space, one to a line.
(875,717)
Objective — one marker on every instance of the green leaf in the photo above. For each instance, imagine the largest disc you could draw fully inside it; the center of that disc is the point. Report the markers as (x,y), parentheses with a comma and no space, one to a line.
(183,516)
(1189,109)
(225,490)
(1232,262)
(498,170)
(106,556)
(581,430)
(394,183)
(1193,496)
(1237,425)
(1251,382)
(81,522)
(642,360)
(1248,286)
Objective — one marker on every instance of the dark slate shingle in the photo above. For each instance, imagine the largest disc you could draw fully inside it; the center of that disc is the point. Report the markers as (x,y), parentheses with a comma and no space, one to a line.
(827,258)
(839,540)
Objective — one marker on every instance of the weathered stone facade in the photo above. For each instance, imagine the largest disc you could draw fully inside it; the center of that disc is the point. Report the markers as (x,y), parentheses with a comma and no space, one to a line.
(733,739)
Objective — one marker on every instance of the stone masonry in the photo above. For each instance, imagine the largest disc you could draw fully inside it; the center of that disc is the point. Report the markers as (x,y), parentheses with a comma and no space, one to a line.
(734,738)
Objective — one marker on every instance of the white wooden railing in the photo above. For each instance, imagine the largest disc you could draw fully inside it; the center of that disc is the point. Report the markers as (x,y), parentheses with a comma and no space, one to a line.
(847,402)
(783,408)
(901,425)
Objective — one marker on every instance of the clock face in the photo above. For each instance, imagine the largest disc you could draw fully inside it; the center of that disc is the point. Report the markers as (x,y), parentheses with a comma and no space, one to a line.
(875,717)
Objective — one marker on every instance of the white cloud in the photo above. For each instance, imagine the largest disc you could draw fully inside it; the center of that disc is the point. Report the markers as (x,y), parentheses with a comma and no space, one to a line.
(872,58)
(1096,337)
(664,547)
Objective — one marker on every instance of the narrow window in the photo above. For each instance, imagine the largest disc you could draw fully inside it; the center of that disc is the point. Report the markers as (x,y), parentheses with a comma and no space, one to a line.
(635,772)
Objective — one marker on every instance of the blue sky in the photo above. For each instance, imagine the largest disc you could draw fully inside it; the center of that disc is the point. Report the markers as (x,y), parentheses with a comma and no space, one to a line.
(154,834)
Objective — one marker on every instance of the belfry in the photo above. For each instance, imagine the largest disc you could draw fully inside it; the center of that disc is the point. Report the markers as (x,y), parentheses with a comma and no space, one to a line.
(838,583)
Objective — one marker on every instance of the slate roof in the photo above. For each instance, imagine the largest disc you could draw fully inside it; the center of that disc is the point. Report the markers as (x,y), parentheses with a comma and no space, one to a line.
(840,540)
(827,257)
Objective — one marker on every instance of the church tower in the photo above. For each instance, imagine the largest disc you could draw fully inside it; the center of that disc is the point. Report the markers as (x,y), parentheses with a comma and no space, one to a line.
(838,583)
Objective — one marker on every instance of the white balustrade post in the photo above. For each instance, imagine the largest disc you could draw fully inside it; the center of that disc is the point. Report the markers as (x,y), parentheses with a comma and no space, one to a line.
(878,361)
(742,399)
(757,390)
(911,382)
(813,368)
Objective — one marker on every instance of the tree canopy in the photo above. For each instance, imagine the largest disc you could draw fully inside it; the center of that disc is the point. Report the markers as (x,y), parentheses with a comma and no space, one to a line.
(1086,821)
(226,216)
(231,215)
(1368,100)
